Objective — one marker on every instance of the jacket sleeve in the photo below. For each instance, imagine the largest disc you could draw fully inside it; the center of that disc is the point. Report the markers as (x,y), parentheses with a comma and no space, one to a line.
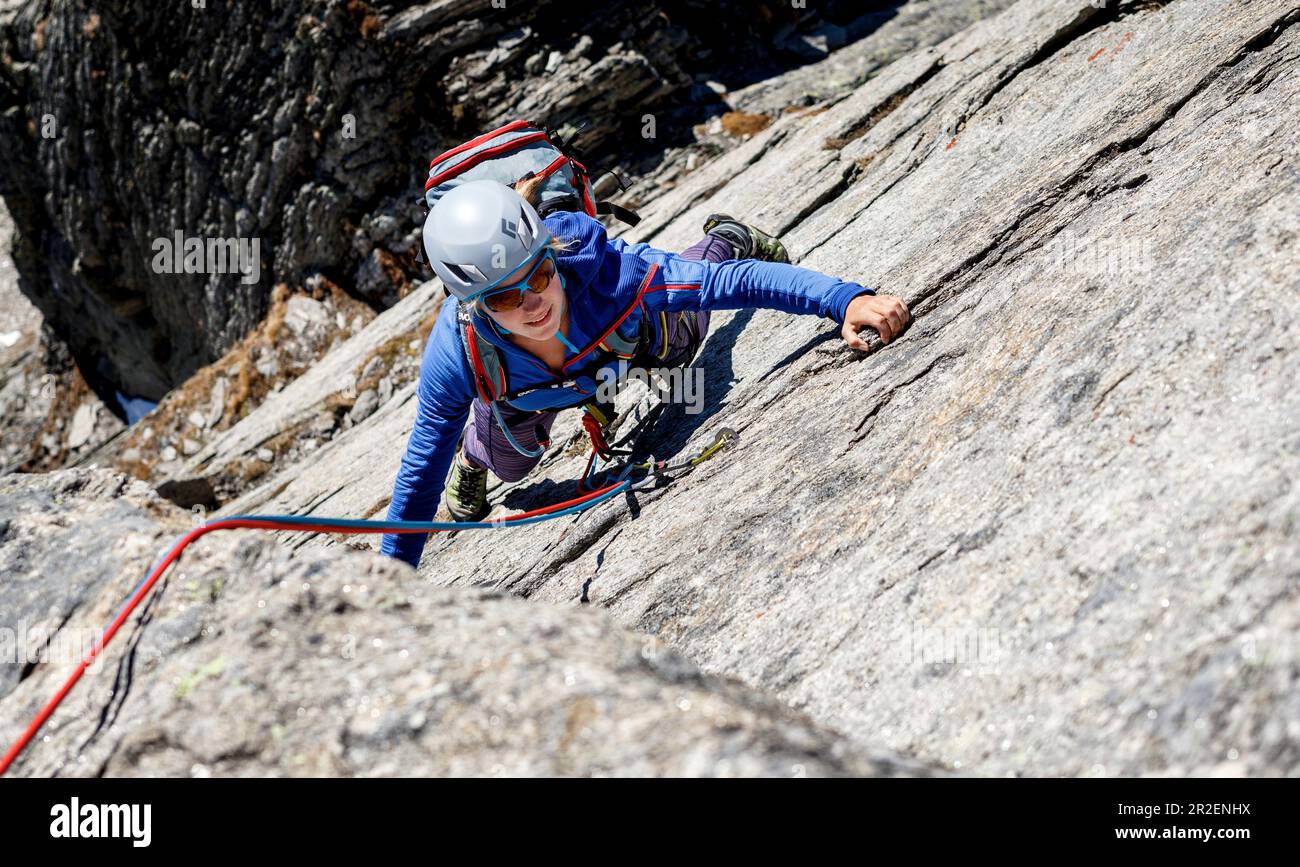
(683,284)
(444,397)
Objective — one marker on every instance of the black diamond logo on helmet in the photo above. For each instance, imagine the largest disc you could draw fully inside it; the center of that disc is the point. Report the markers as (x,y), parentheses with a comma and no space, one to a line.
(511,228)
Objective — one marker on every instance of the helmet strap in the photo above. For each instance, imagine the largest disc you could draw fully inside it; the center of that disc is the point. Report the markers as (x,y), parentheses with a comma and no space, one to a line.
(559,331)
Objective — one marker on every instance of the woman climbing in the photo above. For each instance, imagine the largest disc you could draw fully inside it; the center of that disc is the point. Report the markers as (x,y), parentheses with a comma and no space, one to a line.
(547,304)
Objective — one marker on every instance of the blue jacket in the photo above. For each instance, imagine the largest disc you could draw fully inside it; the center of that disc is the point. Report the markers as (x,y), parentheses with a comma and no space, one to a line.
(603,278)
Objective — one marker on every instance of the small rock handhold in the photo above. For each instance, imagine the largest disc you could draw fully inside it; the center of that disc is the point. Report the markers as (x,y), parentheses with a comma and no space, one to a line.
(385,229)
(372,368)
(582,46)
(367,403)
(217,402)
(265,455)
(304,313)
(269,368)
(83,425)
(168,454)
(189,446)
(189,133)
(323,423)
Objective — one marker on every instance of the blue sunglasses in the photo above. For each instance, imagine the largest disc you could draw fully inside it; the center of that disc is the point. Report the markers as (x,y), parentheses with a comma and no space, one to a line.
(511,297)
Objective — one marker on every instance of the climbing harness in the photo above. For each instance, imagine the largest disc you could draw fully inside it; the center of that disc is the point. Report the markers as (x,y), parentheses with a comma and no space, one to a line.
(587,498)
(491,381)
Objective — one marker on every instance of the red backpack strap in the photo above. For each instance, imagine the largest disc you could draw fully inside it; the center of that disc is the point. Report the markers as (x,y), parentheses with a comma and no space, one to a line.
(484,360)
(582,181)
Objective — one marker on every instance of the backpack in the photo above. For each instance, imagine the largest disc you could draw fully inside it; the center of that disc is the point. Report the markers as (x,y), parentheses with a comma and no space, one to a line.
(515,152)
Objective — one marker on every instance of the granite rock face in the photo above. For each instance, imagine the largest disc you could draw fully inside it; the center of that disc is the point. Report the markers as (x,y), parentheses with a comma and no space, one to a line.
(1050,530)
(889,35)
(342,663)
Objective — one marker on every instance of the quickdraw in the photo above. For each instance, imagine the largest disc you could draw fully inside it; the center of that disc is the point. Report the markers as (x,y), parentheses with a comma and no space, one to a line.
(656,472)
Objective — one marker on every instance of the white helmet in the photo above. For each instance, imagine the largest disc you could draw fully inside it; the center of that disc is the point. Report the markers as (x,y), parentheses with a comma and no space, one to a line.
(478,233)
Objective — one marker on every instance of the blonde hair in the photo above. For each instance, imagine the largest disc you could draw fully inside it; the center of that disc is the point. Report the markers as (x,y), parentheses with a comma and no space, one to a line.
(562,245)
(529,188)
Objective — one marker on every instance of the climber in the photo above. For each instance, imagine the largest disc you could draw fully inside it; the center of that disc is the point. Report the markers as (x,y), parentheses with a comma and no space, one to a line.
(548,303)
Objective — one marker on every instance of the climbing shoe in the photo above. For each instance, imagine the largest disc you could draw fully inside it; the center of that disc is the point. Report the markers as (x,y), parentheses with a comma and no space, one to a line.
(749,242)
(467,491)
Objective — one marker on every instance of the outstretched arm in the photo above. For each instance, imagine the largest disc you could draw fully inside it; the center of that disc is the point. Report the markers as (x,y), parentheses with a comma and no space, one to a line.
(686,284)
(444,399)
